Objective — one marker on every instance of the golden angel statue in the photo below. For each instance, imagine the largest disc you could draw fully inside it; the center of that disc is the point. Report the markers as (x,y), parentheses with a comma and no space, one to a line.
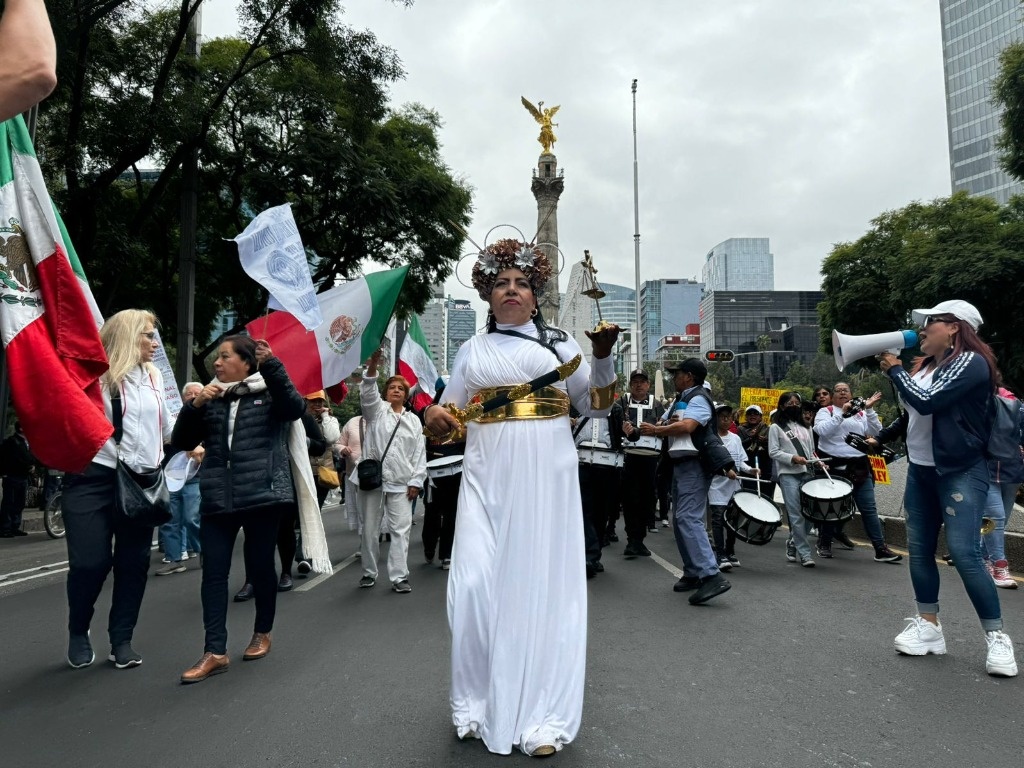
(543,117)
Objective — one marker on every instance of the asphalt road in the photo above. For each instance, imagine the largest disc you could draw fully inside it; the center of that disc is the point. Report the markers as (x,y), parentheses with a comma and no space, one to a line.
(793,667)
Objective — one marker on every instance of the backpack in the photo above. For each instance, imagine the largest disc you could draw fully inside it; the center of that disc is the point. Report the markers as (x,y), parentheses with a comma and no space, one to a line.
(1004,439)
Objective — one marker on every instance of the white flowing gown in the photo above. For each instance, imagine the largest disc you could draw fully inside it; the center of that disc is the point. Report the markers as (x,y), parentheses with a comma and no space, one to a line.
(517,597)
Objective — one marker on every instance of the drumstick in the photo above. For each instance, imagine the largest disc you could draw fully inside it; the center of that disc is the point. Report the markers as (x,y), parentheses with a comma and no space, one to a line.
(824,468)
(757,476)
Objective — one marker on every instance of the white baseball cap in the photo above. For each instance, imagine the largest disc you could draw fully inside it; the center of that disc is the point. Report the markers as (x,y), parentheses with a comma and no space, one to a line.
(754,408)
(959,308)
(179,470)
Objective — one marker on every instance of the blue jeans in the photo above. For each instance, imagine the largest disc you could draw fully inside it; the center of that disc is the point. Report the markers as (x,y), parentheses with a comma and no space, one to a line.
(790,485)
(864,498)
(690,492)
(998,507)
(956,500)
(181,532)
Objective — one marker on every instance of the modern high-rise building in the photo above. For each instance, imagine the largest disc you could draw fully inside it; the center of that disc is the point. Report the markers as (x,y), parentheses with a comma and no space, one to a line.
(461,326)
(740,264)
(432,325)
(974,32)
(765,329)
(666,308)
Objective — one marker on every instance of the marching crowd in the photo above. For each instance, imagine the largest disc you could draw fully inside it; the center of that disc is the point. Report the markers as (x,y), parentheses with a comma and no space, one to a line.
(522,495)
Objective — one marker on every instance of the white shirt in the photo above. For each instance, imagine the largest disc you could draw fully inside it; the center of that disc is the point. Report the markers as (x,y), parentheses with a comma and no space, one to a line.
(832,429)
(722,488)
(919,427)
(145,421)
(406,461)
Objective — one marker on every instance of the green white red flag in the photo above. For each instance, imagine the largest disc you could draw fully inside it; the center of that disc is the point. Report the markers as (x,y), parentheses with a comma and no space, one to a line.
(356,317)
(416,364)
(49,321)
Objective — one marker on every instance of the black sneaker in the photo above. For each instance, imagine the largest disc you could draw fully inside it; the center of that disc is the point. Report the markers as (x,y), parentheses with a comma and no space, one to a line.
(366,582)
(591,570)
(686,583)
(80,653)
(885,555)
(285,583)
(710,586)
(304,567)
(245,593)
(824,550)
(598,566)
(652,529)
(124,656)
(840,538)
(948,559)
(636,549)
(402,587)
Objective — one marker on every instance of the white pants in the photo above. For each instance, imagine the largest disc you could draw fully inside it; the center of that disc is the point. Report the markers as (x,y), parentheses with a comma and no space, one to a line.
(395,510)
(353,512)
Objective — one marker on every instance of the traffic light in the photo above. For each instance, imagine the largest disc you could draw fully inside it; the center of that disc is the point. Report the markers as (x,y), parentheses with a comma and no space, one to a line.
(719,355)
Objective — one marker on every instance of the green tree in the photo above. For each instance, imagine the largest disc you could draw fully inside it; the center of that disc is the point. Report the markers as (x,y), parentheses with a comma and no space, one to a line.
(1008,92)
(752,378)
(958,247)
(293,110)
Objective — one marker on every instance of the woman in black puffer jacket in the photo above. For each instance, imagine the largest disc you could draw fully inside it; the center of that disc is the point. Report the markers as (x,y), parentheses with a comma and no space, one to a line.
(243,418)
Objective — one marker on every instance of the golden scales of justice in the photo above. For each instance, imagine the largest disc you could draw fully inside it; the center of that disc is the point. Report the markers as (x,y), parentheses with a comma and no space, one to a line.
(592,290)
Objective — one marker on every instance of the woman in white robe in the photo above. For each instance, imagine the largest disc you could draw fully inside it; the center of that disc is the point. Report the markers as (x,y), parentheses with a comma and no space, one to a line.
(517,600)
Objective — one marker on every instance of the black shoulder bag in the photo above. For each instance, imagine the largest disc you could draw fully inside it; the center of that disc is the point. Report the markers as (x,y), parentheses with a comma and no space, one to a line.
(370,471)
(142,497)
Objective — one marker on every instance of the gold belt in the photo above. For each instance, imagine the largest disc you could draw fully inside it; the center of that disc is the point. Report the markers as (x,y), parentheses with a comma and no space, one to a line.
(545,403)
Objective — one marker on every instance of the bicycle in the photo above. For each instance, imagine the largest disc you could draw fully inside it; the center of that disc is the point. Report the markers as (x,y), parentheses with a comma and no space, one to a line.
(53,516)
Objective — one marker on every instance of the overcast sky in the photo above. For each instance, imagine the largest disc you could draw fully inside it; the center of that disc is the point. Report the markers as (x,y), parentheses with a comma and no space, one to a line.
(796,120)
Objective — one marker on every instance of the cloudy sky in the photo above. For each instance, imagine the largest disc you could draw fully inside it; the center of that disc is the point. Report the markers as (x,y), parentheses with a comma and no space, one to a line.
(797,120)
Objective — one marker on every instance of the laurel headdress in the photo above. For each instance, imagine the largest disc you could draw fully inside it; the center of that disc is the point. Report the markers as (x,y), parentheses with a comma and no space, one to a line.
(508,253)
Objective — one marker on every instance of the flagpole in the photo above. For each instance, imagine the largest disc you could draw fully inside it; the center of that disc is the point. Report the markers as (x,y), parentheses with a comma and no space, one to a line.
(637,335)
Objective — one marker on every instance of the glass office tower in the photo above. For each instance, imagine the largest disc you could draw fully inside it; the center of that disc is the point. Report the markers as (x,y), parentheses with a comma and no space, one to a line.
(974,32)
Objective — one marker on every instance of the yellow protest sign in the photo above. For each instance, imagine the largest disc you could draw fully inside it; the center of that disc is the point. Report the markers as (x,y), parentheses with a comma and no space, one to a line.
(879,470)
(766,398)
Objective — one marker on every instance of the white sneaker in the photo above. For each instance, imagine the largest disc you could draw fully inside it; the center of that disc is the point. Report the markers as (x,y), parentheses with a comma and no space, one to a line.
(920,638)
(1000,661)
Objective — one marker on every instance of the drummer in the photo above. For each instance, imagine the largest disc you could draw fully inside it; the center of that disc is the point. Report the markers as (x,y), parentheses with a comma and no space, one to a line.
(832,425)
(640,467)
(442,495)
(599,445)
(722,489)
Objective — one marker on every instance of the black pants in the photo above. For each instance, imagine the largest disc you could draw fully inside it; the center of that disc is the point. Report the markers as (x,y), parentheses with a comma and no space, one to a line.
(13,503)
(639,492)
(439,514)
(599,490)
(664,486)
(218,533)
(722,535)
(100,540)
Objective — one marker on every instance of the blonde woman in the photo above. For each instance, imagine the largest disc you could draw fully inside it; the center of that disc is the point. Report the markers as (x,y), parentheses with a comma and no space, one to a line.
(99,539)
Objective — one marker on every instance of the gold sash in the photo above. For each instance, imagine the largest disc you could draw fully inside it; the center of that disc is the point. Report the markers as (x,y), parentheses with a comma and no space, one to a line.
(545,403)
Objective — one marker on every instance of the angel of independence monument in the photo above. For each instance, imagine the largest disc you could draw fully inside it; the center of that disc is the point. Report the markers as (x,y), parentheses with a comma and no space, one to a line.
(547,188)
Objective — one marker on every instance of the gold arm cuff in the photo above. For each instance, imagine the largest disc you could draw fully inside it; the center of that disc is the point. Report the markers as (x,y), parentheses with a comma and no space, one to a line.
(545,403)
(602,397)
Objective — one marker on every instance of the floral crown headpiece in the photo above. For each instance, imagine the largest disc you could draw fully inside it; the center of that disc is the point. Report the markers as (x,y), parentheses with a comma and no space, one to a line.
(508,253)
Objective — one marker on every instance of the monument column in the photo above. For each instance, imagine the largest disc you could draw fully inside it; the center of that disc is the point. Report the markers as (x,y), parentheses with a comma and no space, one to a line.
(547,188)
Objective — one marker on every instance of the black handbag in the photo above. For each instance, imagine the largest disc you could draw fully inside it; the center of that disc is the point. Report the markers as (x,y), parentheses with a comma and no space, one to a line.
(141,496)
(370,471)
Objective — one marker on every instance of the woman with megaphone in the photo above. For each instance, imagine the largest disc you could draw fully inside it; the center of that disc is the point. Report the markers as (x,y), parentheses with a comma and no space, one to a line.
(946,395)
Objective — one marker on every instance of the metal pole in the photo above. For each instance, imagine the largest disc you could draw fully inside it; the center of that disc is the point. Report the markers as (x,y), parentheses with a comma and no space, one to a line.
(637,334)
(187,246)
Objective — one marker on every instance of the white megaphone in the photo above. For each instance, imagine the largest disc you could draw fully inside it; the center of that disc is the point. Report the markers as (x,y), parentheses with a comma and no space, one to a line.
(848,349)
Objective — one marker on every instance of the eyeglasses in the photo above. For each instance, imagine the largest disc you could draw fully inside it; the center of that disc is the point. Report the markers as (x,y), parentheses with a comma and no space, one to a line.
(838,390)
(149,335)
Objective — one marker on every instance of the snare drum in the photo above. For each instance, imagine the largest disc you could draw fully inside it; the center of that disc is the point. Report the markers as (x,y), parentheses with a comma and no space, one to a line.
(752,517)
(446,466)
(601,457)
(827,501)
(646,445)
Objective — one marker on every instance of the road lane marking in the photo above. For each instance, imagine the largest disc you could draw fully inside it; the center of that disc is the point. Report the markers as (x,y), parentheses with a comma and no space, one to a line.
(34,569)
(667,565)
(5,583)
(320,579)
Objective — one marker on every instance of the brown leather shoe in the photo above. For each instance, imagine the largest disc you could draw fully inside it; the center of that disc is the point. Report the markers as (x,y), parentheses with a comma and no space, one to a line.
(206,666)
(258,647)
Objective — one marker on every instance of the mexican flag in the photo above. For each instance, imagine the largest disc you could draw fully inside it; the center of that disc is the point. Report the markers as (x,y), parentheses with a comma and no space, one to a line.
(356,317)
(416,364)
(49,321)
